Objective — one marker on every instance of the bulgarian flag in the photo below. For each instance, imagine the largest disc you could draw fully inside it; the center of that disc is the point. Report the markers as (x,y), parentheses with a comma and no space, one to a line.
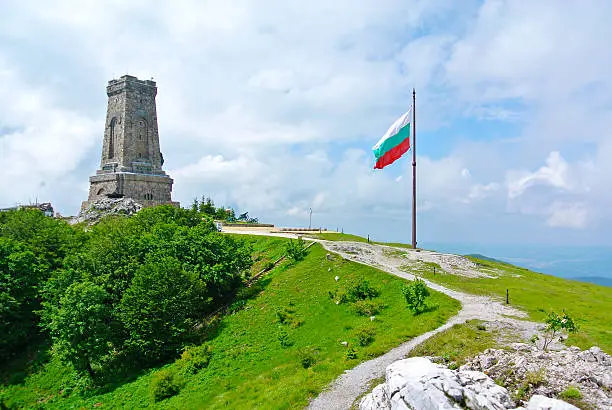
(395,142)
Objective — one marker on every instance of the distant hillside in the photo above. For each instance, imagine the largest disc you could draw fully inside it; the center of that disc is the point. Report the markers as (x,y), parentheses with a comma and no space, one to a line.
(598,280)
(484,258)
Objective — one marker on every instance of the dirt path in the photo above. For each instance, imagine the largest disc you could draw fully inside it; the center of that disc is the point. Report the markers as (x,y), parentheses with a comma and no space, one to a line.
(341,393)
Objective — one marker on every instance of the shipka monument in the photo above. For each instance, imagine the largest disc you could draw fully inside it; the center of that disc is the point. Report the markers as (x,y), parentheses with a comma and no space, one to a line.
(131,164)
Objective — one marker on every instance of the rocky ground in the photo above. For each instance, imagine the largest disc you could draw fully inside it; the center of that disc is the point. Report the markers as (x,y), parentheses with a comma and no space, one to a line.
(104,207)
(418,383)
(525,370)
(523,376)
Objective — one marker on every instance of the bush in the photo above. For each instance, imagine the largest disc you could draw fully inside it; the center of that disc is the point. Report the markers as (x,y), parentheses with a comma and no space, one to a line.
(283,338)
(556,324)
(368,307)
(306,357)
(570,393)
(296,250)
(365,335)
(351,353)
(361,290)
(195,358)
(165,384)
(415,294)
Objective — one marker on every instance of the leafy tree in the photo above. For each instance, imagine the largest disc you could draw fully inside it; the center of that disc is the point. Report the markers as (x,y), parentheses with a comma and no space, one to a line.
(20,272)
(80,327)
(160,308)
(415,294)
(46,237)
(555,324)
(296,250)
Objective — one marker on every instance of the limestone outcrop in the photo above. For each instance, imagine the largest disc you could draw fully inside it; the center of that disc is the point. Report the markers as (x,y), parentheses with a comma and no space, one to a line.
(534,379)
(106,206)
(525,368)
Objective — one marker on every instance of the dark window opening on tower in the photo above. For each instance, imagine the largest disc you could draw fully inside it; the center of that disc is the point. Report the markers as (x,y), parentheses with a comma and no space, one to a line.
(111,140)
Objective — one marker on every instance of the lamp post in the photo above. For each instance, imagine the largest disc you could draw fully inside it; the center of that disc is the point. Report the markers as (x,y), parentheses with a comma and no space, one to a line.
(310,219)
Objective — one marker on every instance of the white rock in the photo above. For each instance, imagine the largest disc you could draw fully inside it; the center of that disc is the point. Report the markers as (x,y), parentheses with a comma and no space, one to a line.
(538,402)
(337,278)
(378,399)
(372,318)
(417,383)
(344,344)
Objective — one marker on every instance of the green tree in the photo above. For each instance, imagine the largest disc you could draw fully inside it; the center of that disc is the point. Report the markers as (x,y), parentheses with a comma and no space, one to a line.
(160,308)
(20,273)
(415,294)
(81,326)
(555,324)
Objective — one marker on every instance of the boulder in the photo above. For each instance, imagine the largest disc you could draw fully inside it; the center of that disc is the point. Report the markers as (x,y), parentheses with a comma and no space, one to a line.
(417,383)
(537,402)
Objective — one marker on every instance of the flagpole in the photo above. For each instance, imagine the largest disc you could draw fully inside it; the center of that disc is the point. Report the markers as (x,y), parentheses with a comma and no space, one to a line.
(414,241)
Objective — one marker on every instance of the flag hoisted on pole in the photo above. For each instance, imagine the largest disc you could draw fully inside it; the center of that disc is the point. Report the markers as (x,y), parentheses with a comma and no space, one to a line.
(395,143)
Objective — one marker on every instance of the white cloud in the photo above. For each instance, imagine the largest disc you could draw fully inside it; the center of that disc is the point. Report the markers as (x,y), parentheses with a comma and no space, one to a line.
(567,215)
(554,173)
(272,106)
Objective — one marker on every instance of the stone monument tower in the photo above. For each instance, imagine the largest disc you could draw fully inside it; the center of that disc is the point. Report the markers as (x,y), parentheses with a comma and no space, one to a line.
(131,164)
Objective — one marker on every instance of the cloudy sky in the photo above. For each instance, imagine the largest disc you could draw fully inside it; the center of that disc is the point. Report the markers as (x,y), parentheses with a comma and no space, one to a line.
(272,107)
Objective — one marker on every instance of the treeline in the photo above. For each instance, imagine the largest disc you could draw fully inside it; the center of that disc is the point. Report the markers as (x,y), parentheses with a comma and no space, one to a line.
(123,294)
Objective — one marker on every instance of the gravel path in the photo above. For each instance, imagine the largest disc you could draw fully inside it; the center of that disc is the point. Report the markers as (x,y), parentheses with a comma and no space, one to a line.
(341,393)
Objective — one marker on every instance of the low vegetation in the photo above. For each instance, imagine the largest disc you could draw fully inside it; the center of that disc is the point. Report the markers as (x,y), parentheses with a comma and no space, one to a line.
(538,294)
(274,344)
(459,343)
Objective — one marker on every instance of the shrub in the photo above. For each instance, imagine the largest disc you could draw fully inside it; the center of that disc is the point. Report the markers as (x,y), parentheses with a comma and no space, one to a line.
(351,353)
(415,294)
(556,324)
(365,335)
(368,307)
(296,250)
(361,290)
(570,393)
(535,377)
(195,358)
(165,384)
(283,338)
(306,357)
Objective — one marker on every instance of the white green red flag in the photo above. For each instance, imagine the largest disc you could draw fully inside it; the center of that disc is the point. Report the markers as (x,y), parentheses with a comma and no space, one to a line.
(395,142)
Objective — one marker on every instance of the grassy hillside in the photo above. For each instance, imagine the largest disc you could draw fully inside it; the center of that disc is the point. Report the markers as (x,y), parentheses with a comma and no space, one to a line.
(536,293)
(335,236)
(257,361)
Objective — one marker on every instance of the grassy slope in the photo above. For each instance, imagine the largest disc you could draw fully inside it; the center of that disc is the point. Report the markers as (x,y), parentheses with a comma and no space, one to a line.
(534,292)
(538,294)
(334,236)
(249,368)
(458,343)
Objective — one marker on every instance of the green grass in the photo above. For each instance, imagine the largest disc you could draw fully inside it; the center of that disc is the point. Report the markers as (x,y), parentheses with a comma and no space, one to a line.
(249,368)
(334,236)
(537,294)
(458,343)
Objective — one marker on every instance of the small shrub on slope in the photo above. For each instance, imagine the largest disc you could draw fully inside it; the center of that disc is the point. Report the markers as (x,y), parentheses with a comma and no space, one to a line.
(368,307)
(165,384)
(296,250)
(361,290)
(415,294)
(195,358)
(365,336)
(556,324)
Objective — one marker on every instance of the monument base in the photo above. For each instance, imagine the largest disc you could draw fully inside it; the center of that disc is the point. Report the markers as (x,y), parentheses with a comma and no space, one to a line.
(146,189)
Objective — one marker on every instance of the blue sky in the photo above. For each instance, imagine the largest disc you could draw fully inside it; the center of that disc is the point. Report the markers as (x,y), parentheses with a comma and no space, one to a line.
(272,107)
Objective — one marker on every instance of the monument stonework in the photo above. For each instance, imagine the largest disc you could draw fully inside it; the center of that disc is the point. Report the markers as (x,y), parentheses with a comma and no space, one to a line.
(131,163)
